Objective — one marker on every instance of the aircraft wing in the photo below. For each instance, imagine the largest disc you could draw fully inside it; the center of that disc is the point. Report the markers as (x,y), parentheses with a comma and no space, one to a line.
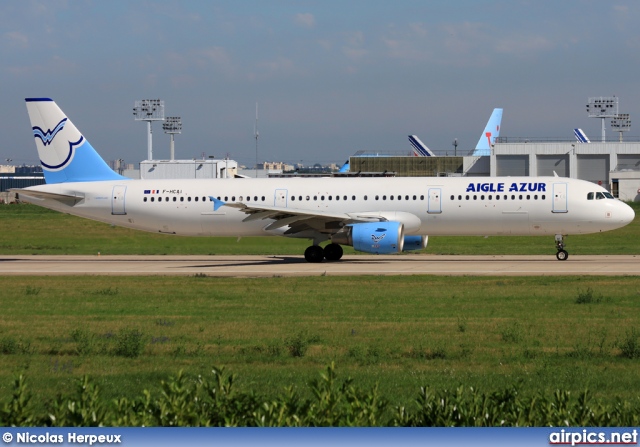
(300,220)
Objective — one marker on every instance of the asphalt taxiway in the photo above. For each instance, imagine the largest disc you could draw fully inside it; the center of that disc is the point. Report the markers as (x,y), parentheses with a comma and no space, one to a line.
(357,265)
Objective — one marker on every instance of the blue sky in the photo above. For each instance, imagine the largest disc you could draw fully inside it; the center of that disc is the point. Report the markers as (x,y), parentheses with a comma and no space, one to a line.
(331,77)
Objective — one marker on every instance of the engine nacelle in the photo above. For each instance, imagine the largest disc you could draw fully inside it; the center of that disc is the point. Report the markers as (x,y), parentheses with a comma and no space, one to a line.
(417,242)
(372,237)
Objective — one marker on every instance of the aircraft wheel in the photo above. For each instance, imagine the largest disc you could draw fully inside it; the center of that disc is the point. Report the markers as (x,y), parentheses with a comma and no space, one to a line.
(333,252)
(562,255)
(315,253)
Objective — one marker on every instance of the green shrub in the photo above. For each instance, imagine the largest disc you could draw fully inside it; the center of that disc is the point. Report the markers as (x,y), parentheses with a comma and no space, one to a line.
(129,343)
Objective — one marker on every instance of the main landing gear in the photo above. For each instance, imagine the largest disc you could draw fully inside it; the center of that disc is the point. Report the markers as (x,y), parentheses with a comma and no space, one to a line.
(562,254)
(315,253)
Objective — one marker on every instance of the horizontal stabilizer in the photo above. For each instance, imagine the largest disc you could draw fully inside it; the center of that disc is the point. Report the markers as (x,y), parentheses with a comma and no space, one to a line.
(67,199)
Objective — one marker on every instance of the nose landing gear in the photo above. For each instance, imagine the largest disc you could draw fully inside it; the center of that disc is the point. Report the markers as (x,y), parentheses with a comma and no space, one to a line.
(562,254)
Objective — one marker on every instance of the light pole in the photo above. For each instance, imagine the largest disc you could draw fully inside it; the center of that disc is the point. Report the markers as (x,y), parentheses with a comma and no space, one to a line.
(149,110)
(172,125)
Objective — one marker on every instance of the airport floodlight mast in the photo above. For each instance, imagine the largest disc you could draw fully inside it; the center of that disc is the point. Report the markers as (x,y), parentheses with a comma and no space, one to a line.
(255,131)
(172,125)
(621,123)
(149,110)
(602,107)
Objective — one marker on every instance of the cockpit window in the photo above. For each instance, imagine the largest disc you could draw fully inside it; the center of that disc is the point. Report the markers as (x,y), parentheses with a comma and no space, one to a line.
(608,195)
(599,196)
(590,196)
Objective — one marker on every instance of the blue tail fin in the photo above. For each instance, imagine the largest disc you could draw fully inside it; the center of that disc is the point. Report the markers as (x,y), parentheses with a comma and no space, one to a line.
(580,136)
(419,148)
(65,155)
(490,133)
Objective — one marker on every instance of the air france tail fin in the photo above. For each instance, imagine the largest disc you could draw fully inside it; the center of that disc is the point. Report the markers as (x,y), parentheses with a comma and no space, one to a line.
(65,155)
(580,136)
(491,132)
(419,148)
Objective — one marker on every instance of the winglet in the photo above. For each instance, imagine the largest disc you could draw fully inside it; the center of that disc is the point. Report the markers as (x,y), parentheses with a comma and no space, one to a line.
(216,203)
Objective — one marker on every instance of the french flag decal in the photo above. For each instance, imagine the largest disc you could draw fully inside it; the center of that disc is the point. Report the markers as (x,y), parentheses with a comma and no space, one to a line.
(151,191)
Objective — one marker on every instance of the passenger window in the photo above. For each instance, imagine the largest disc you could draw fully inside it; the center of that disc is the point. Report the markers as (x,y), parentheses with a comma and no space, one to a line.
(384,197)
(182,199)
(459,197)
(365,197)
(482,197)
(377,197)
(175,198)
(293,198)
(152,199)
(497,197)
(337,197)
(321,197)
(421,197)
(467,198)
(263,198)
(353,198)
(453,197)
(196,199)
(307,198)
(390,197)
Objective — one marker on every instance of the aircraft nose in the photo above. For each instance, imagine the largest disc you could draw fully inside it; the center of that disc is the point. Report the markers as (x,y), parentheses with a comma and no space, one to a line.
(626,213)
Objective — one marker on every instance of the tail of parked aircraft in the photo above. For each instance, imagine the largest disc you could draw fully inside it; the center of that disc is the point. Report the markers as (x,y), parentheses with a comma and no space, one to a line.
(580,136)
(419,148)
(491,132)
(65,155)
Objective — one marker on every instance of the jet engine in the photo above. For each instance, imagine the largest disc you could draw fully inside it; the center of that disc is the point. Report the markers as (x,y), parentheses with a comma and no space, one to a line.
(417,242)
(372,237)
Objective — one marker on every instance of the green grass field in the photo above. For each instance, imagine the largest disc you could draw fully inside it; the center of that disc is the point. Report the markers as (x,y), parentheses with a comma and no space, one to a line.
(541,334)
(537,333)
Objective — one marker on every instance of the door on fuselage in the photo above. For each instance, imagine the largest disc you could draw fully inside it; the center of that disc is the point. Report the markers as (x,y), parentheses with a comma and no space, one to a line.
(434,205)
(560,198)
(117,200)
(281,198)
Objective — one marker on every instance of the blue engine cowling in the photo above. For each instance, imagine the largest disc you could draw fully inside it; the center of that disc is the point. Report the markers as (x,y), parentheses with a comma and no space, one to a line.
(375,237)
(417,242)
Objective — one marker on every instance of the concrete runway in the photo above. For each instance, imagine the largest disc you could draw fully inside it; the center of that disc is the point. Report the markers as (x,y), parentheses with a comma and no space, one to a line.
(269,266)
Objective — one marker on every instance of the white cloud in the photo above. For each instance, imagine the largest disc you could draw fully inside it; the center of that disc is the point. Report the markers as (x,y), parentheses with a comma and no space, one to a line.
(305,20)
(16,39)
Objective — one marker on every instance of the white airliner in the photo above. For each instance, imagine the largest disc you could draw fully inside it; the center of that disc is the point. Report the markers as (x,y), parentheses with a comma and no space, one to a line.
(374,215)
